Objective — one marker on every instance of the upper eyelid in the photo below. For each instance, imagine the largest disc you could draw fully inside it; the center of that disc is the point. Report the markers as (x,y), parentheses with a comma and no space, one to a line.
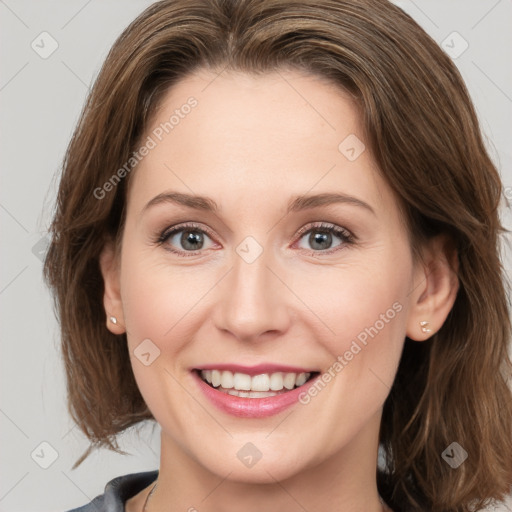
(191,226)
(329,226)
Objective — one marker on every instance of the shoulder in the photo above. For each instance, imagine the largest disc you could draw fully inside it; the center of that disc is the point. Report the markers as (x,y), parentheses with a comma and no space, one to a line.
(118,491)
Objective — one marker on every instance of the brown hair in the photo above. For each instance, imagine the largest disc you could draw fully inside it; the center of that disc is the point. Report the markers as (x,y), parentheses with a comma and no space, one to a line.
(422,129)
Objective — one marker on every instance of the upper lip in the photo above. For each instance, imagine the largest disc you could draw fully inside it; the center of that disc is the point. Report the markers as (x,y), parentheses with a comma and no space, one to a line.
(255,370)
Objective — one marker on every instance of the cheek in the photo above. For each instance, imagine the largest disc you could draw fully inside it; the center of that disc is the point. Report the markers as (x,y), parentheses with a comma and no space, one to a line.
(154,296)
(156,311)
(164,304)
(363,310)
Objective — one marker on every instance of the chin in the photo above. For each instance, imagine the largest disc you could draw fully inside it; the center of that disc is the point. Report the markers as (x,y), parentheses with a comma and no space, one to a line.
(265,470)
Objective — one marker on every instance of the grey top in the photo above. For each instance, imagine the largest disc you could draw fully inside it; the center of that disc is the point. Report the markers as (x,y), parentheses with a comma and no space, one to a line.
(118,491)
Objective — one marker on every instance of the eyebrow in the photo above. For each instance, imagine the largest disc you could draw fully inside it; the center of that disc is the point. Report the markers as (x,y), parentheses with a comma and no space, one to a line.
(296,204)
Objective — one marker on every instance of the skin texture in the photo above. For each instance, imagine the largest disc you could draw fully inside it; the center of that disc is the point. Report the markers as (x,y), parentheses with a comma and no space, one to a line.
(252,143)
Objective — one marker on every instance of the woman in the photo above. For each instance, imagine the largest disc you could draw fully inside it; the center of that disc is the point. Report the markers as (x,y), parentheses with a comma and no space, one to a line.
(276,235)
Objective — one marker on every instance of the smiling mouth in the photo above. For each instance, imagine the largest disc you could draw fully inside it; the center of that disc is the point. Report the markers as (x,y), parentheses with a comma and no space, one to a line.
(254,386)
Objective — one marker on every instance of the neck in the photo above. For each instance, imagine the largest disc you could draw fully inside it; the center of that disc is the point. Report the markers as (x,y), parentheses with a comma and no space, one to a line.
(345,480)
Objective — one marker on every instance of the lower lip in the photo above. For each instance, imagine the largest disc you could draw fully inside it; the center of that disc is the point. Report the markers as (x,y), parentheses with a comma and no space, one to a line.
(252,407)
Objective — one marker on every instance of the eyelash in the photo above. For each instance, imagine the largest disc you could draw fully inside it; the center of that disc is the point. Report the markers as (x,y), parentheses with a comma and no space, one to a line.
(322,227)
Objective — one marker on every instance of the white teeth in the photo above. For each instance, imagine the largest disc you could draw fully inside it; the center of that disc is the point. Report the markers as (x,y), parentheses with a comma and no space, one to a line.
(276,381)
(226,381)
(301,379)
(215,378)
(262,383)
(289,380)
(251,394)
(241,381)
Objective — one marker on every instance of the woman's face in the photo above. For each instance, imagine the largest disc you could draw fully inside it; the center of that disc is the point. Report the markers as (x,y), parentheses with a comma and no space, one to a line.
(257,281)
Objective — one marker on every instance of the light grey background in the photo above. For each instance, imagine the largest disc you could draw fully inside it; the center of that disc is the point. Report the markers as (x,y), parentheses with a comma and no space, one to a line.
(40,100)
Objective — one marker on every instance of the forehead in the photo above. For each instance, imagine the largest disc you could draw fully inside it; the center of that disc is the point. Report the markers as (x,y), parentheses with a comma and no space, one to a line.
(254,137)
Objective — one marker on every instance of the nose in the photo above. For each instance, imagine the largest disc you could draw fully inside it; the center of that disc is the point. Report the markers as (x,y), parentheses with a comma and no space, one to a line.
(253,301)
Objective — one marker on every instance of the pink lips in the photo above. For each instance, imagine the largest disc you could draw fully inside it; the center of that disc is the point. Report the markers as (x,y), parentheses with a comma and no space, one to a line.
(252,407)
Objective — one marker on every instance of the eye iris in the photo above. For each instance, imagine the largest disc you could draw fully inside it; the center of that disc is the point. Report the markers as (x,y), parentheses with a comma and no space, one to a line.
(194,238)
(320,238)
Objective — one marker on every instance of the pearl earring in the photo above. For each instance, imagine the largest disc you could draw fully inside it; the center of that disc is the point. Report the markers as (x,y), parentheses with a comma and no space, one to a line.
(424,326)
(113,319)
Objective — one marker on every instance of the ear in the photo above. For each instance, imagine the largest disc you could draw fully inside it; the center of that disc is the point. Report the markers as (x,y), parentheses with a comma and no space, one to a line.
(110,270)
(435,288)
